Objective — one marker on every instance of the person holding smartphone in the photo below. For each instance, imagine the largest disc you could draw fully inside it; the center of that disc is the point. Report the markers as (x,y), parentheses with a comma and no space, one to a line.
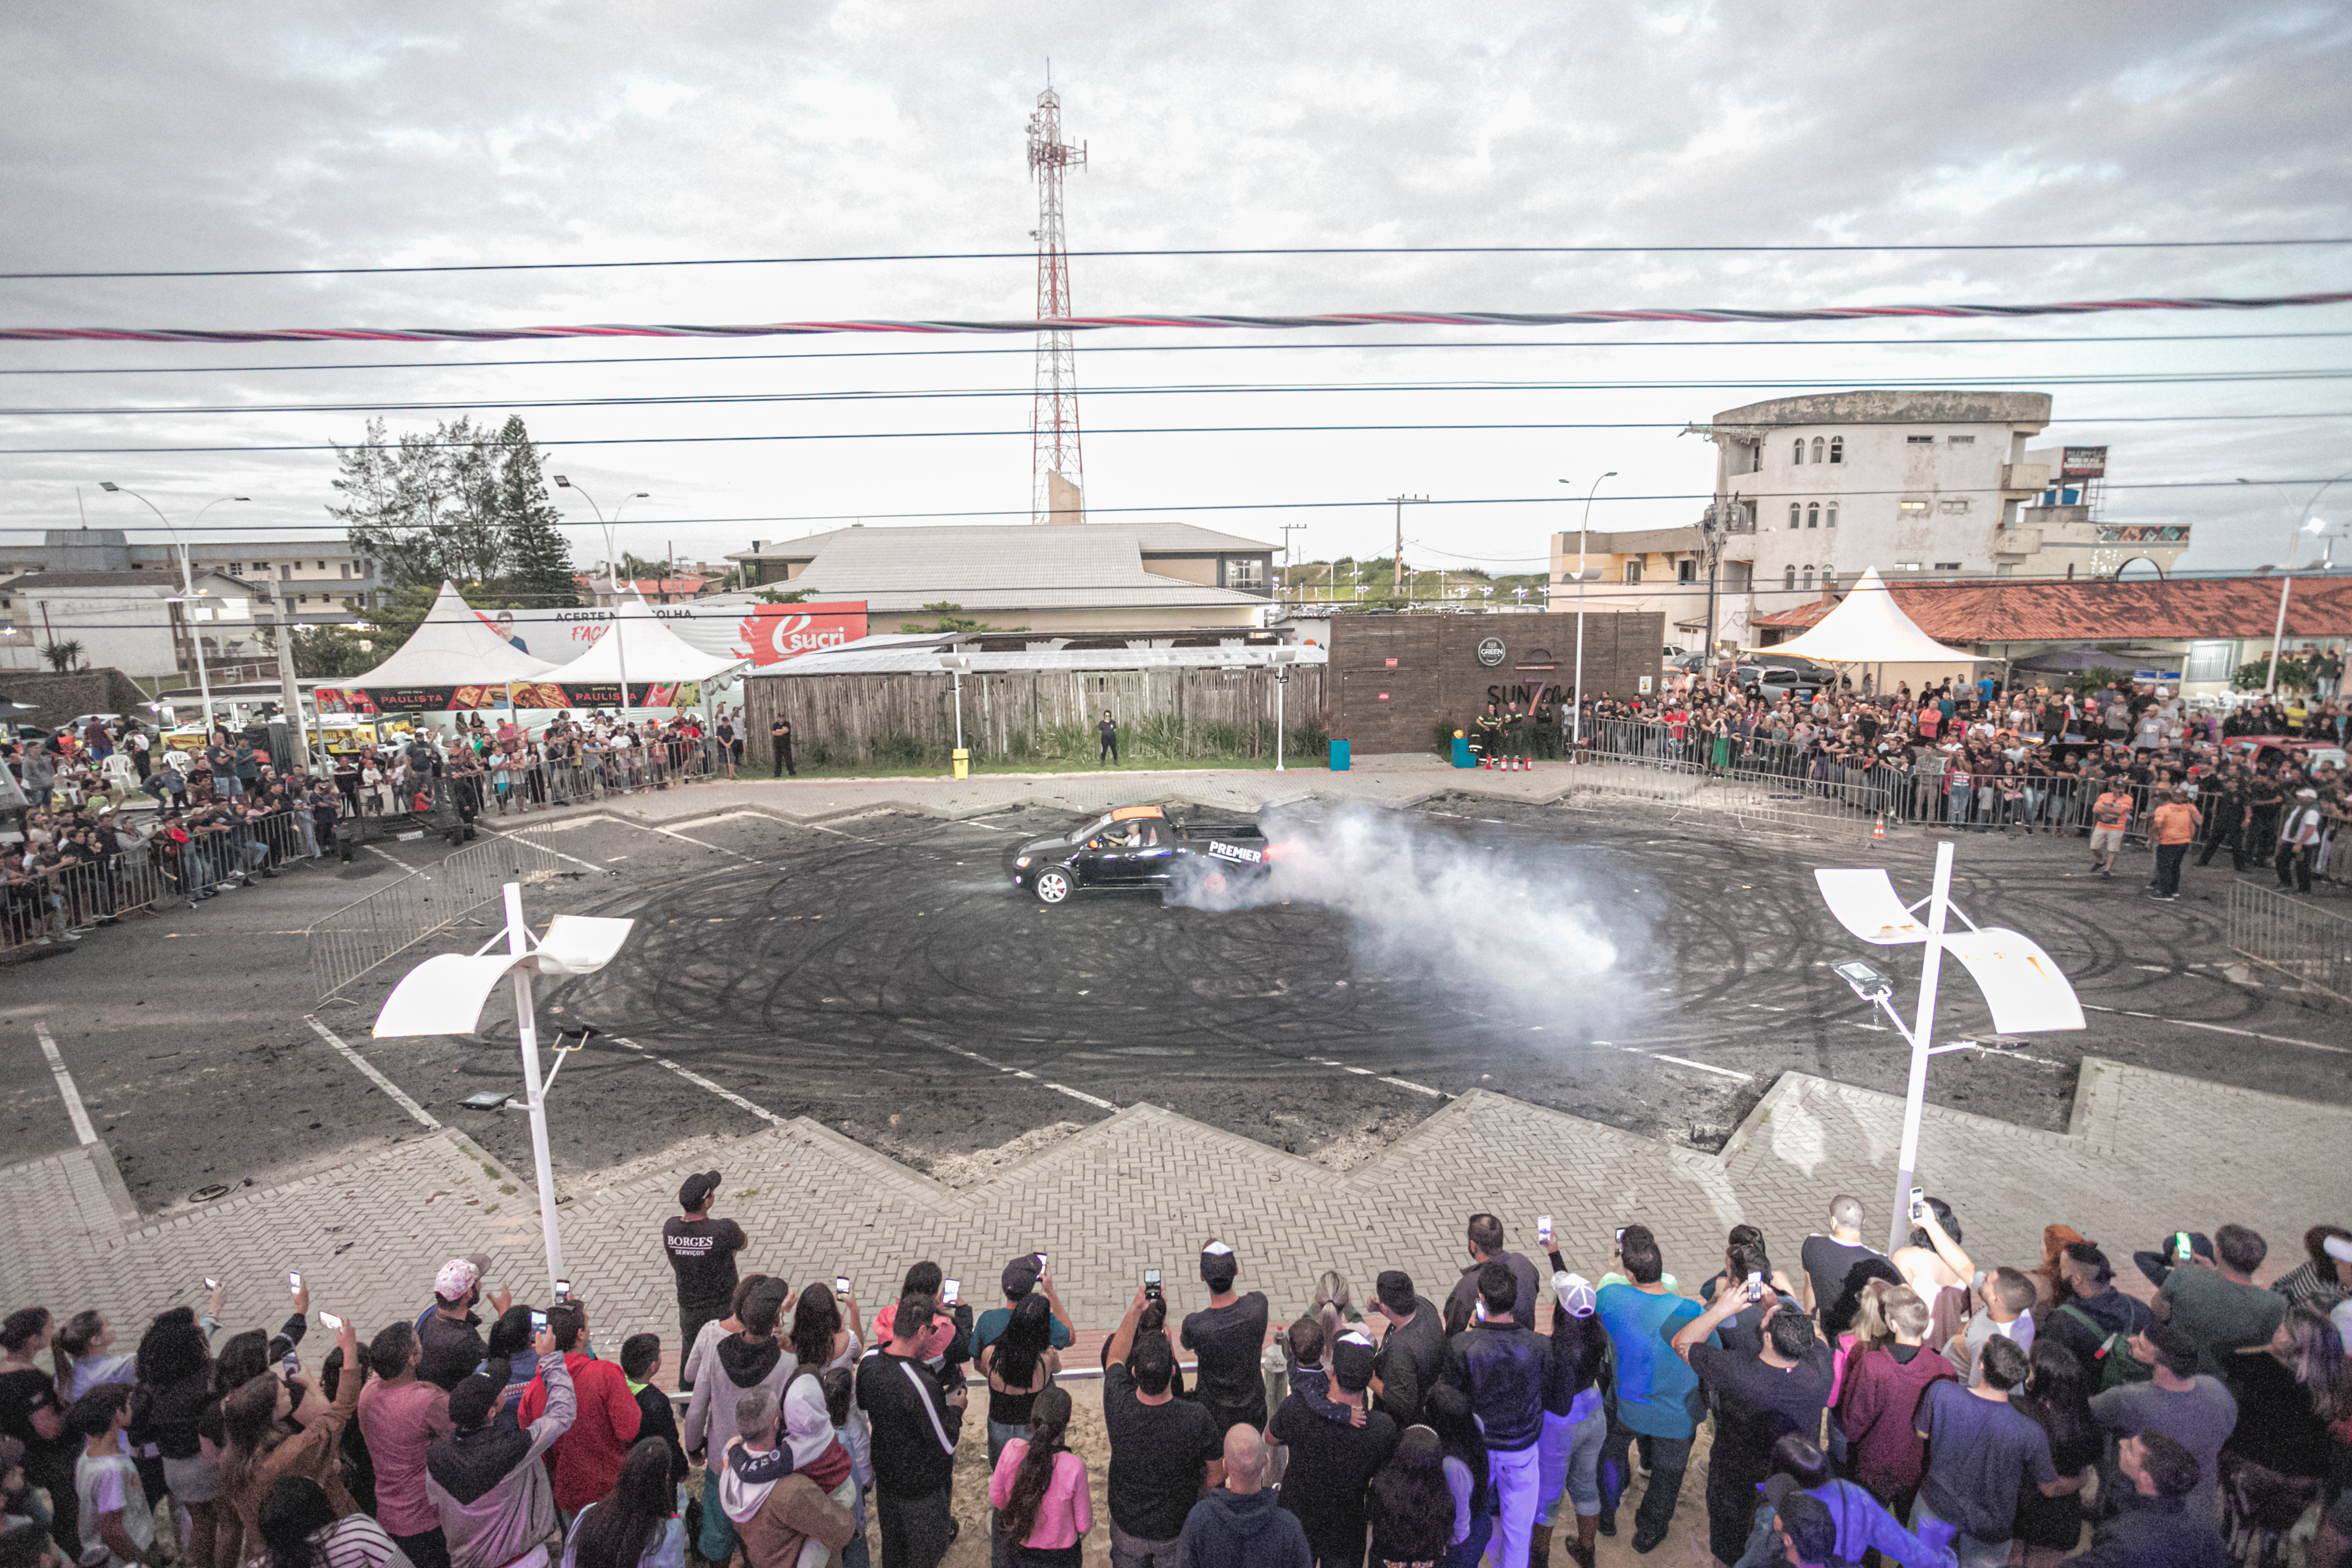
(1024,1274)
(1761,1396)
(916,1417)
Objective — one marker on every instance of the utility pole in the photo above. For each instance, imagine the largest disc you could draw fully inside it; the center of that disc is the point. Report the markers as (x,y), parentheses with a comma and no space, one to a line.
(1397,589)
(1053,418)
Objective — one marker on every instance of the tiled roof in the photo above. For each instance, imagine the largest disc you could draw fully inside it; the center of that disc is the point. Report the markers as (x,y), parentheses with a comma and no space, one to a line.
(1154,538)
(2030,612)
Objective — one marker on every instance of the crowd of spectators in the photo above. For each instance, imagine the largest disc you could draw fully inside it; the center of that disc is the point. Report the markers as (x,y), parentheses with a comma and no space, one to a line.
(1913,1408)
(115,821)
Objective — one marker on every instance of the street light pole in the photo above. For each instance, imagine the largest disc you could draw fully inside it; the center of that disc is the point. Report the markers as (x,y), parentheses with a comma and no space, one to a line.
(187,586)
(2278,634)
(1914,1092)
(527,1028)
(611,577)
(1576,737)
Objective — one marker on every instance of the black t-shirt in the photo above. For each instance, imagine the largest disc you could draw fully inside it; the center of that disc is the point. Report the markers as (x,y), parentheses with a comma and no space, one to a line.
(1330,1464)
(702,1254)
(23,1395)
(1226,1340)
(1829,1260)
(451,1351)
(1756,1404)
(1156,1455)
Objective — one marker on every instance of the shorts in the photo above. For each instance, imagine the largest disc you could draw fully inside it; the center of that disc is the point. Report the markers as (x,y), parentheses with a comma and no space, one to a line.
(2104,839)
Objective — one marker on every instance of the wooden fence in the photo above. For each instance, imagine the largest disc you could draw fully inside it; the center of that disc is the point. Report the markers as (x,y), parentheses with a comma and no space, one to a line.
(909,718)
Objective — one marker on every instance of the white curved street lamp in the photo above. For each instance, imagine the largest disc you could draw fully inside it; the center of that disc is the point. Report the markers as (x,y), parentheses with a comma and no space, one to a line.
(187,584)
(1576,737)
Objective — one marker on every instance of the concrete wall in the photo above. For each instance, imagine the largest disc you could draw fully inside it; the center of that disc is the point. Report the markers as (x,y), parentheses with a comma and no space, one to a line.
(57,698)
(1393,678)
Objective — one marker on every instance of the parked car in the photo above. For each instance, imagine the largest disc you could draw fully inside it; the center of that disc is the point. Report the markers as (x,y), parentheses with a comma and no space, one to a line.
(1776,677)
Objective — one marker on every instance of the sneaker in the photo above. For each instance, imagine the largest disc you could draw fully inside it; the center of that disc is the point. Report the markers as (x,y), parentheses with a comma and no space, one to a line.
(73,935)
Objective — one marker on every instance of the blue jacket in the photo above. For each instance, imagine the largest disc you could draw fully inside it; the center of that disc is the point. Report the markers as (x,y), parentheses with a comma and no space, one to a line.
(1505,1370)
(1862,1523)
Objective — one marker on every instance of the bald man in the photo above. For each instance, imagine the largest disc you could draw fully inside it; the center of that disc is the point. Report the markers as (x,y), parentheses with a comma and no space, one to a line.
(1238,1525)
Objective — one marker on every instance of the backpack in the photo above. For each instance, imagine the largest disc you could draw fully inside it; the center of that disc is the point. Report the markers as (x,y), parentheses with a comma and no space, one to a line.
(2112,1365)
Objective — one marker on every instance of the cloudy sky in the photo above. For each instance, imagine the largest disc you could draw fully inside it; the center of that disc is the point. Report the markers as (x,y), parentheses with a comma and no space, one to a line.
(322,135)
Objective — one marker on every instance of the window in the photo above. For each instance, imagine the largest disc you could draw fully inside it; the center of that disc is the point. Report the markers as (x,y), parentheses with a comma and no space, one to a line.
(1830,521)
(1953,509)
(323,565)
(1789,580)
(1809,579)
(1817,449)
(1912,508)
(1685,571)
(1244,572)
(1794,511)
(286,572)
(347,569)
(2207,662)
(1962,440)
(1814,516)
(1798,456)
(1837,448)
(1947,566)
(1633,569)
(1919,441)
(1829,580)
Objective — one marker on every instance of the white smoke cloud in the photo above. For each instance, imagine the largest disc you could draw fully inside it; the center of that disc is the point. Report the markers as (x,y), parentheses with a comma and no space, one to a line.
(1517,927)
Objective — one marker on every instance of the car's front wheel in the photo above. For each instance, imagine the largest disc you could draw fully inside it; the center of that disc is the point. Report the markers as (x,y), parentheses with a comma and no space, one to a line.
(1053,885)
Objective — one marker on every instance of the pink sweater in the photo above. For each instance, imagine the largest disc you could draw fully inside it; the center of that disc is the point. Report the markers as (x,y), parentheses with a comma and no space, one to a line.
(1067,1512)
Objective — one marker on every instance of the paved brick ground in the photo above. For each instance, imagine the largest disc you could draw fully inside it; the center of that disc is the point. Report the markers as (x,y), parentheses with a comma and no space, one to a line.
(2148,1153)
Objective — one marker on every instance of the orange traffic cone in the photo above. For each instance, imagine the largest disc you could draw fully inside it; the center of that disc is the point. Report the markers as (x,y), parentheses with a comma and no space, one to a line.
(1878,829)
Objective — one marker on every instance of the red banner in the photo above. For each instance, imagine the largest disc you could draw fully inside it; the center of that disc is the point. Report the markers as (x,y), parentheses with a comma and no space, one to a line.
(772,633)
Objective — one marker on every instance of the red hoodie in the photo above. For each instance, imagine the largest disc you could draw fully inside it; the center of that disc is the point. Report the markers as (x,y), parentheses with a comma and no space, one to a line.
(586,1459)
(1876,1409)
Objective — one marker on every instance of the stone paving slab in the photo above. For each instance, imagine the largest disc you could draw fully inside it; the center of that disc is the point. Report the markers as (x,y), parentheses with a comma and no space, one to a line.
(2150,1154)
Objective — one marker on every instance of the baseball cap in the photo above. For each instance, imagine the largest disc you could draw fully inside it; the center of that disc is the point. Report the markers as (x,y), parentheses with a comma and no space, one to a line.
(1020,1276)
(1351,1362)
(2339,1248)
(1574,1293)
(458,1277)
(696,1190)
(1218,1262)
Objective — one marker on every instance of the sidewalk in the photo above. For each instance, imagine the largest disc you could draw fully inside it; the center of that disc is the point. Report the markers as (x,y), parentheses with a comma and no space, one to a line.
(2147,1153)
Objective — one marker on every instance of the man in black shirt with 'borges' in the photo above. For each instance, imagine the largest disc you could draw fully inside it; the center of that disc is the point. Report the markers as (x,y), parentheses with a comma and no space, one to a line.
(701,1252)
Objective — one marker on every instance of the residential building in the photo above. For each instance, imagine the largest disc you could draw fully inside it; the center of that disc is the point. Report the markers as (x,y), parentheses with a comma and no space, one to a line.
(138,623)
(1077,578)
(600,590)
(321,580)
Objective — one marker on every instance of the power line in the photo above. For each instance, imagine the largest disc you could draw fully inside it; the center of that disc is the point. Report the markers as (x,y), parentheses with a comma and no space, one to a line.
(1182,252)
(845,519)
(1167,349)
(1174,389)
(1147,323)
(1110,430)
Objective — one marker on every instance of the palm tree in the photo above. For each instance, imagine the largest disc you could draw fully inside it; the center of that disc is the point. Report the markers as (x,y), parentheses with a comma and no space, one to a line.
(62,656)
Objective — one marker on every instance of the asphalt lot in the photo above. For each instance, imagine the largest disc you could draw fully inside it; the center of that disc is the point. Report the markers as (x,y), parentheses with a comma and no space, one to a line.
(881,976)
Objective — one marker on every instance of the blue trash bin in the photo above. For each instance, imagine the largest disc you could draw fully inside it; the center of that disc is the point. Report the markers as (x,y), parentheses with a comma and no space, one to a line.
(1462,758)
(1339,756)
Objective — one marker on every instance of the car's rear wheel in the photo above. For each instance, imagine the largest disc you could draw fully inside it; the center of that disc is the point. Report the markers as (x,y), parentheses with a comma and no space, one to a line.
(1213,882)
(1053,885)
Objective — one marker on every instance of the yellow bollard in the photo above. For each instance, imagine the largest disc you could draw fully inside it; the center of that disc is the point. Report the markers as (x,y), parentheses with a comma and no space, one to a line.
(962,762)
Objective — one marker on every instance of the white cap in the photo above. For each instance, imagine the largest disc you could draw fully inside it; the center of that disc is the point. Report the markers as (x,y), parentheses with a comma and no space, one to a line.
(1574,1293)
(1216,1249)
(2339,1248)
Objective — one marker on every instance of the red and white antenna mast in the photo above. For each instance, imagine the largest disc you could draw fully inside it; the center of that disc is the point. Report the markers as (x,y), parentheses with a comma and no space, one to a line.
(1053,421)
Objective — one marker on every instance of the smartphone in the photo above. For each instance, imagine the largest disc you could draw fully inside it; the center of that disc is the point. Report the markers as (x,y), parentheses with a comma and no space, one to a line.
(293,1280)
(538,1321)
(210,1283)
(562,1290)
(332,1321)
(949,1291)
(1043,1261)
(1755,1286)
(1621,1236)
(1919,1208)
(1152,1284)
(841,1285)
(1543,1231)
(2181,1248)
(1478,1309)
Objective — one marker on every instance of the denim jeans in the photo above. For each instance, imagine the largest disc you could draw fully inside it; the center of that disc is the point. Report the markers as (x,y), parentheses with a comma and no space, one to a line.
(1973,1552)
(1570,1454)
(1517,1475)
(1669,1457)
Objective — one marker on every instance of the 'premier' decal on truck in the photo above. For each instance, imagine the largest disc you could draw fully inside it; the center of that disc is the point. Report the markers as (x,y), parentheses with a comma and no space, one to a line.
(1236,853)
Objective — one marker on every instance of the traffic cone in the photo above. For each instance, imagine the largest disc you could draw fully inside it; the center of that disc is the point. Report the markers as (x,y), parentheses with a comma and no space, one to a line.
(1878,829)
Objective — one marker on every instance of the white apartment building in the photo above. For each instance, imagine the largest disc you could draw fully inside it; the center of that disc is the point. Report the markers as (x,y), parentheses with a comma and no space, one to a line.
(319,580)
(1916,483)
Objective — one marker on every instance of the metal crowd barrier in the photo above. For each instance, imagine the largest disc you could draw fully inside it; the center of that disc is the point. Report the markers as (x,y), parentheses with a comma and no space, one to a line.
(354,940)
(1759,781)
(82,894)
(2292,935)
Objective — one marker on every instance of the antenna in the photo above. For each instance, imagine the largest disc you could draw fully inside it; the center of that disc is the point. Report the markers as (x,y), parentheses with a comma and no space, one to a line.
(1054,419)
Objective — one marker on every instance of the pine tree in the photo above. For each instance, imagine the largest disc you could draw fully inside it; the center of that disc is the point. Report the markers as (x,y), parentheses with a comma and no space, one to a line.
(539,561)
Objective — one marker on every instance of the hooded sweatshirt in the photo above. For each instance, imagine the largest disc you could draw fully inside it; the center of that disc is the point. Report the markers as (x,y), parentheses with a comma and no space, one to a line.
(736,1363)
(1227,1529)
(1878,1410)
(495,1498)
(587,1458)
(776,1518)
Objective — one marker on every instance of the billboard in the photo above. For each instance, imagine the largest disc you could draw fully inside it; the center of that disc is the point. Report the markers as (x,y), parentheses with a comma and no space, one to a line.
(2083,463)
(546,696)
(772,633)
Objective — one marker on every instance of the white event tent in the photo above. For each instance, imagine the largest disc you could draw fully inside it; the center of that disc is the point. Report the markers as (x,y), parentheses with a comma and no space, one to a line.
(643,643)
(1869,628)
(453,646)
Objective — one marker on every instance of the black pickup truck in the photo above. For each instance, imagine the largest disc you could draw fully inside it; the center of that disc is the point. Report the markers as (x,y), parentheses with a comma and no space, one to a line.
(1137,846)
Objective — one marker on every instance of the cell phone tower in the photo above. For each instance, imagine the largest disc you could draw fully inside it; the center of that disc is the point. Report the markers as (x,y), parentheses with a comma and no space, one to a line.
(1054,421)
